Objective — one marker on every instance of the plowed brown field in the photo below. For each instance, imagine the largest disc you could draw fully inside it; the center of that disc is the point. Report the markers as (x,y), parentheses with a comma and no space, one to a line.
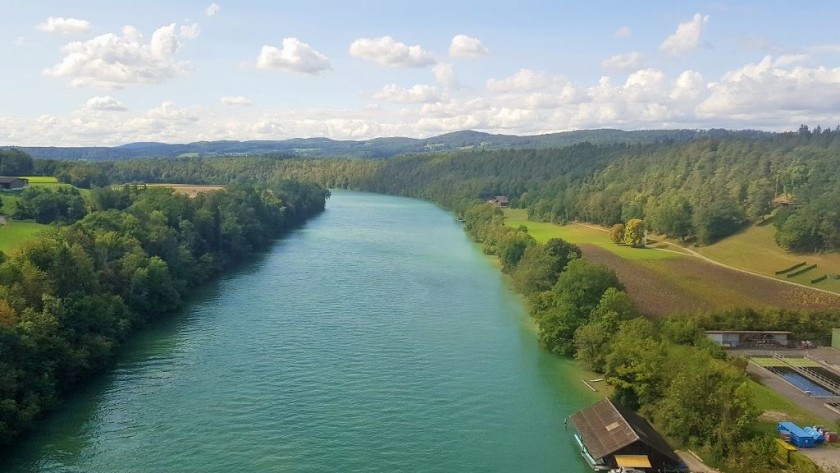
(688,284)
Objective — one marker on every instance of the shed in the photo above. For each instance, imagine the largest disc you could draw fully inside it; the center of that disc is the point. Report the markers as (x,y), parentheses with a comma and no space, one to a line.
(611,436)
(749,338)
(500,201)
(13,183)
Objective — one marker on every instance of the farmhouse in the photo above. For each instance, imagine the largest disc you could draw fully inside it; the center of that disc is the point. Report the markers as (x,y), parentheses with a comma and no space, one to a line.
(500,201)
(611,436)
(13,183)
(749,338)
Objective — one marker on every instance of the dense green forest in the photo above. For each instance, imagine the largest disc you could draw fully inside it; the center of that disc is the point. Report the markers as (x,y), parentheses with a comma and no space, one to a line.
(699,190)
(69,299)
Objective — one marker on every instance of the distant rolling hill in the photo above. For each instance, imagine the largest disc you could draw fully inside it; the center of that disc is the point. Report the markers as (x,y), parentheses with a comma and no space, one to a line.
(378,148)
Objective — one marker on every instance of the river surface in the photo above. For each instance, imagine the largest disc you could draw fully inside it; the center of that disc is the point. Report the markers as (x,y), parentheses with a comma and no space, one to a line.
(377,338)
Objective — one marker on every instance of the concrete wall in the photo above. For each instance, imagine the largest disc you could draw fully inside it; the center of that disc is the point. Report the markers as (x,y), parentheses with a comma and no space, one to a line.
(835,338)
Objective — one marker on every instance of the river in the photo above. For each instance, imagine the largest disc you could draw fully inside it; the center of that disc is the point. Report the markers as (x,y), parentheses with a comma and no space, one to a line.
(375,338)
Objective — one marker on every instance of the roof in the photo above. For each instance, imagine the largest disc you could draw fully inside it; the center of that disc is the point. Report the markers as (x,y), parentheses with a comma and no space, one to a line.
(606,428)
(8,180)
(501,198)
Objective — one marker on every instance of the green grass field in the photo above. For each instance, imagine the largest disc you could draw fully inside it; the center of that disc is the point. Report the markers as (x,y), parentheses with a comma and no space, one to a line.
(755,249)
(16,232)
(580,234)
(41,179)
(776,407)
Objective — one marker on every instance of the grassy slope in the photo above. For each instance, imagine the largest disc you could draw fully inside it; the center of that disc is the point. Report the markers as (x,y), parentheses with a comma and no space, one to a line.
(754,249)
(16,232)
(580,234)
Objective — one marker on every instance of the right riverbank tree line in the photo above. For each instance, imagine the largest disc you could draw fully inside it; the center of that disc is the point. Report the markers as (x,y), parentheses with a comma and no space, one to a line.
(69,299)
(667,369)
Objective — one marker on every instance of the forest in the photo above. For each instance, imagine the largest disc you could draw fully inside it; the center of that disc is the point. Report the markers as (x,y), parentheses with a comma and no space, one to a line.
(698,190)
(130,254)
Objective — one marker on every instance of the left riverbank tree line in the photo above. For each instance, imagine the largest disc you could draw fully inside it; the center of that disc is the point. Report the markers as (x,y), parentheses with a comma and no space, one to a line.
(69,299)
(667,369)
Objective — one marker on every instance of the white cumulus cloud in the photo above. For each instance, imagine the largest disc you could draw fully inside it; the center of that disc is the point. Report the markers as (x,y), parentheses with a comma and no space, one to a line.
(212,9)
(769,88)
(114,61)
(62,25)
(419,93)
(295,56)
(467,46)
(389,52)
(190,31)
(104,103)
(686,38)
(445,76)
(523,80)
(624,62)
(238,101)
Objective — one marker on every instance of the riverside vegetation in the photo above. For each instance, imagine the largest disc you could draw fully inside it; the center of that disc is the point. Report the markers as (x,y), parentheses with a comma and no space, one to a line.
(131,254)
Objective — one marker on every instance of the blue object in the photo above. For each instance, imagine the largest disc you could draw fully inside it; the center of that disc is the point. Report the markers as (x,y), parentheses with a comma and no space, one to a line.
(816,434)
(806,385)
(798,436)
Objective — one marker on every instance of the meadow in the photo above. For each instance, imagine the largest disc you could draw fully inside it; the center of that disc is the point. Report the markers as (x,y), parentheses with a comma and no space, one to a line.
(667,279)
(15,232)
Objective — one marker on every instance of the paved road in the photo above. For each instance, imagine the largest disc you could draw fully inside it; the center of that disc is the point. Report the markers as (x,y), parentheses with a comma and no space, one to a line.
(695,465)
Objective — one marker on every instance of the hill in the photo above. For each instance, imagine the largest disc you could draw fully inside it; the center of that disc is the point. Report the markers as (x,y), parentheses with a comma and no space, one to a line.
(378,148)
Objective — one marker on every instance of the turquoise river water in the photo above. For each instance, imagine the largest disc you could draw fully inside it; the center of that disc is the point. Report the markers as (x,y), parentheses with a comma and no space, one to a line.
(377,338)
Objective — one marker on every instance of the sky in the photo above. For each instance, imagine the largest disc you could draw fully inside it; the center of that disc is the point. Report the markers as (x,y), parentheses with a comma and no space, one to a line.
(97,73)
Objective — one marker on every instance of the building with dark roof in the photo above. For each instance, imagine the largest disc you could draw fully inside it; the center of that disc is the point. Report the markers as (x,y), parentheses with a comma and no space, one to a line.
(12,183)
(612,436)
(500,201)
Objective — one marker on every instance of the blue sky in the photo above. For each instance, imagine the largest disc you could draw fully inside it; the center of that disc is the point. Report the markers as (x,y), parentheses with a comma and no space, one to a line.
(106,73)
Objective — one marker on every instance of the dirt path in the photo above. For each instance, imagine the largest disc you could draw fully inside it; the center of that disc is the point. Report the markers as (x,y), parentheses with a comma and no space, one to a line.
(792,298)
(826,457)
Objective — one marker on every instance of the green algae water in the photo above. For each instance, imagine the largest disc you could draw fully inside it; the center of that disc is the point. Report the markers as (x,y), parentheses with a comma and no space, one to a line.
(377,338)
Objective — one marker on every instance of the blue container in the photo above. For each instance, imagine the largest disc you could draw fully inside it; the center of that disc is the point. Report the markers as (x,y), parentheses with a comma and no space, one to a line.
(798,436)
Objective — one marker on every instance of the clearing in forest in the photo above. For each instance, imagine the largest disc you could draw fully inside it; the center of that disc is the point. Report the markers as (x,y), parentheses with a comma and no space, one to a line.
(191,190)
(15,232)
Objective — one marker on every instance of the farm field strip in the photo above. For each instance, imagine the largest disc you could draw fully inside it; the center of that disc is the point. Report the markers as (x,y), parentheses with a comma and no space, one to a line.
(669,278)
(191,190)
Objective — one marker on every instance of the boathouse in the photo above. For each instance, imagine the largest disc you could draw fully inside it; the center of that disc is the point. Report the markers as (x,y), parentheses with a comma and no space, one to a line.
(13,183)
(612,436)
